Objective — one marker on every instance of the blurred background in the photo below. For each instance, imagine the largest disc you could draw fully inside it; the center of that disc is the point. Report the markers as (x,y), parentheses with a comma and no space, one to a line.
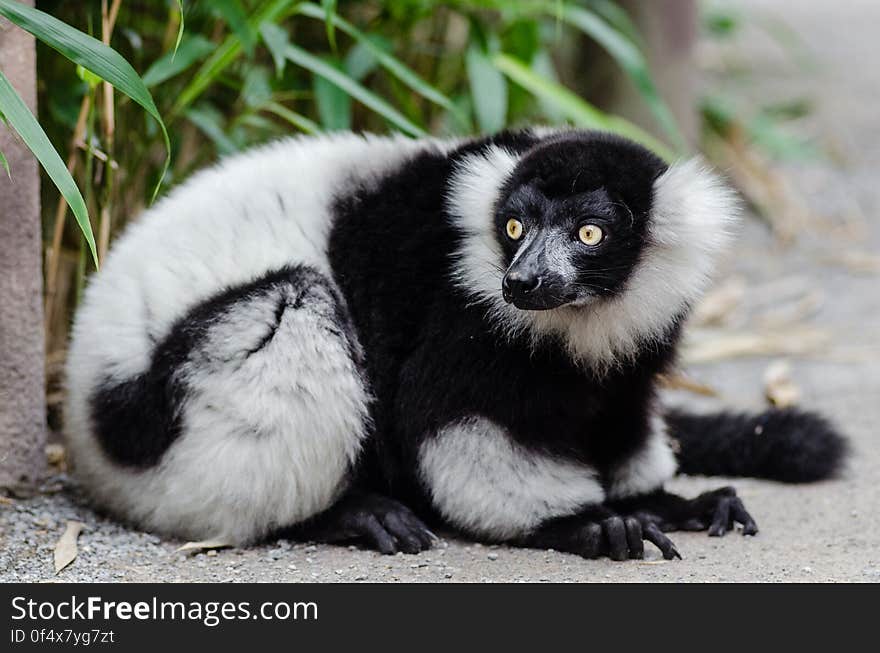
(229,74)
(779,96)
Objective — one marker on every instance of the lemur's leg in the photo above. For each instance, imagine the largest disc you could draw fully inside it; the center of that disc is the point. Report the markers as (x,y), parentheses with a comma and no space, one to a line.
(377,521)
(716,511)
(250,418)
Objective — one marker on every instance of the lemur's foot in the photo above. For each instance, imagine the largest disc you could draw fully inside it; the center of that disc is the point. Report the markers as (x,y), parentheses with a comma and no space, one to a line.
(379,522)
(718,511)
(593,536)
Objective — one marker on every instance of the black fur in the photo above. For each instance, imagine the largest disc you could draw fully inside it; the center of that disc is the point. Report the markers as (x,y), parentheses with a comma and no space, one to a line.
(784,445)
(433,359)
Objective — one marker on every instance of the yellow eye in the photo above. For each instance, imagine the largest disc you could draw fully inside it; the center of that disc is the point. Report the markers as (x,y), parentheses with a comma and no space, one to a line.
(514,229)
(590,234)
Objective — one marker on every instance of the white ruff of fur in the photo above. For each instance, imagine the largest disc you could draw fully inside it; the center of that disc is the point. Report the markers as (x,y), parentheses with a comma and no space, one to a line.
(690,223)
(488,485)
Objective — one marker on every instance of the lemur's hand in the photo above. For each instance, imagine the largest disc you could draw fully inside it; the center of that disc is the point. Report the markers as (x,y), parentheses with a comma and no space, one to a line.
(600,532)
(717,511)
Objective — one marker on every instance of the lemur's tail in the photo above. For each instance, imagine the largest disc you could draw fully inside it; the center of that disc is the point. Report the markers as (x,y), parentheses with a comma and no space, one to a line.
(787,445)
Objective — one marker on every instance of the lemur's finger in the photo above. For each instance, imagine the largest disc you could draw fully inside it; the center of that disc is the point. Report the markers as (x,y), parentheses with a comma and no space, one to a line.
(634,538)
(740,514)
(590,541)
(377,536)
(721,518)
(406,539)
(658,539)
(615,534)
(418,527)
(693,524)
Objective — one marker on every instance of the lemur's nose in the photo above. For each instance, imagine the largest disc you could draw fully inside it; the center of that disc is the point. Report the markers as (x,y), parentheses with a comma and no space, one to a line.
(518,284)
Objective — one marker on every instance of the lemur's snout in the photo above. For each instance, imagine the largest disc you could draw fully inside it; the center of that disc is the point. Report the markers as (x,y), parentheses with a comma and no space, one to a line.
(518,284)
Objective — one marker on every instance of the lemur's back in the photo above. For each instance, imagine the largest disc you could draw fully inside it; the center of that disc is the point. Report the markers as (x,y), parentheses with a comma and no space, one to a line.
(180,370)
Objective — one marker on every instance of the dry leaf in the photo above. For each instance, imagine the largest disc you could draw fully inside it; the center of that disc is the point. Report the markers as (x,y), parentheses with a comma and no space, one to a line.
(65,549)
(682,382)
(704,346)
(204,545)
(779,388)
(720,303)
(56,455)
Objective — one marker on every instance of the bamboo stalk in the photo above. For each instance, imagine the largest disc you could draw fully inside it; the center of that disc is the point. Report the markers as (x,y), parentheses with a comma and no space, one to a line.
(108,18)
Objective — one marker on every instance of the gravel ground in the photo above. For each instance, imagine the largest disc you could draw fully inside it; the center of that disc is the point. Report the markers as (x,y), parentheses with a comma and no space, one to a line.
(822,532)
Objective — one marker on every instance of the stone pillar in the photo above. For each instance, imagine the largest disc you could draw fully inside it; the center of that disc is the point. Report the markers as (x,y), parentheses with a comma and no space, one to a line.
(22,365)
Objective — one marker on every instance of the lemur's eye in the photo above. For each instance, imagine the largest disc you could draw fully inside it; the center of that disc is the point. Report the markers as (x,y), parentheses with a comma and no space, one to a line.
(590,234)
(514,229)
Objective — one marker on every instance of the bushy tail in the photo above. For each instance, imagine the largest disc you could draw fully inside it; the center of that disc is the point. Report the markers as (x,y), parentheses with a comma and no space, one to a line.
(787,445)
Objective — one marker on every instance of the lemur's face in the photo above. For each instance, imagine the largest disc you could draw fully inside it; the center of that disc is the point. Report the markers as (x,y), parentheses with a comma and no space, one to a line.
(572,222)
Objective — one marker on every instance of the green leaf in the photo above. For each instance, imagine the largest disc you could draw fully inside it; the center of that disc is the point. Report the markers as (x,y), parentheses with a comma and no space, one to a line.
(329,12)
(171,64)
(488,90)
(333,104)
(386,60)
(319,67)
(92,55)
(236,17)
(628,56)
(210,122)
(25,124)
(256,89)
(576,109)
(180,27)
(295,119)
(5,164)
(225,54)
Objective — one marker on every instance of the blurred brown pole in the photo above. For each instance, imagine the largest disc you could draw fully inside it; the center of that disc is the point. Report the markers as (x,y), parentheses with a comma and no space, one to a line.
(22,371)
(669,29)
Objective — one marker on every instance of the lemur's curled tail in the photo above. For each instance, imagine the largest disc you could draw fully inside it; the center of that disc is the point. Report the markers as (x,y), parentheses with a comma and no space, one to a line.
(787,445)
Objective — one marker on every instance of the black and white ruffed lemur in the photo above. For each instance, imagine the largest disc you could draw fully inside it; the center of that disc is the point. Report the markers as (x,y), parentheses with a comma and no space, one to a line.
(329,336)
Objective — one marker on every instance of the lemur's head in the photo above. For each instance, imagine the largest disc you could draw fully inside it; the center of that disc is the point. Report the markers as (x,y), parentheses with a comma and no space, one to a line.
(572,220)
(586,235)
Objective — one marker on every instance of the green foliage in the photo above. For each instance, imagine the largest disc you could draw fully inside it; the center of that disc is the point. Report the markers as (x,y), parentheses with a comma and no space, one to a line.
(239,72)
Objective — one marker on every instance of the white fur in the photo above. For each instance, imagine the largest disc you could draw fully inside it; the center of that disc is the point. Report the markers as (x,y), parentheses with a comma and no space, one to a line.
(262,446)
(649,468)
(488,485)
(690,223)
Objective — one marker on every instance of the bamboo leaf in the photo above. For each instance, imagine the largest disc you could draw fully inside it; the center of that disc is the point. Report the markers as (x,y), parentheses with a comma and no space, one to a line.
(5,164)
(92,55)
(360,93)
(236,17)
(488,90)
(25,124)
(171,64)
(297,120)
(225,54)
(333,104)
(329,14)
(575,108)
(209,122)
(390,63)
